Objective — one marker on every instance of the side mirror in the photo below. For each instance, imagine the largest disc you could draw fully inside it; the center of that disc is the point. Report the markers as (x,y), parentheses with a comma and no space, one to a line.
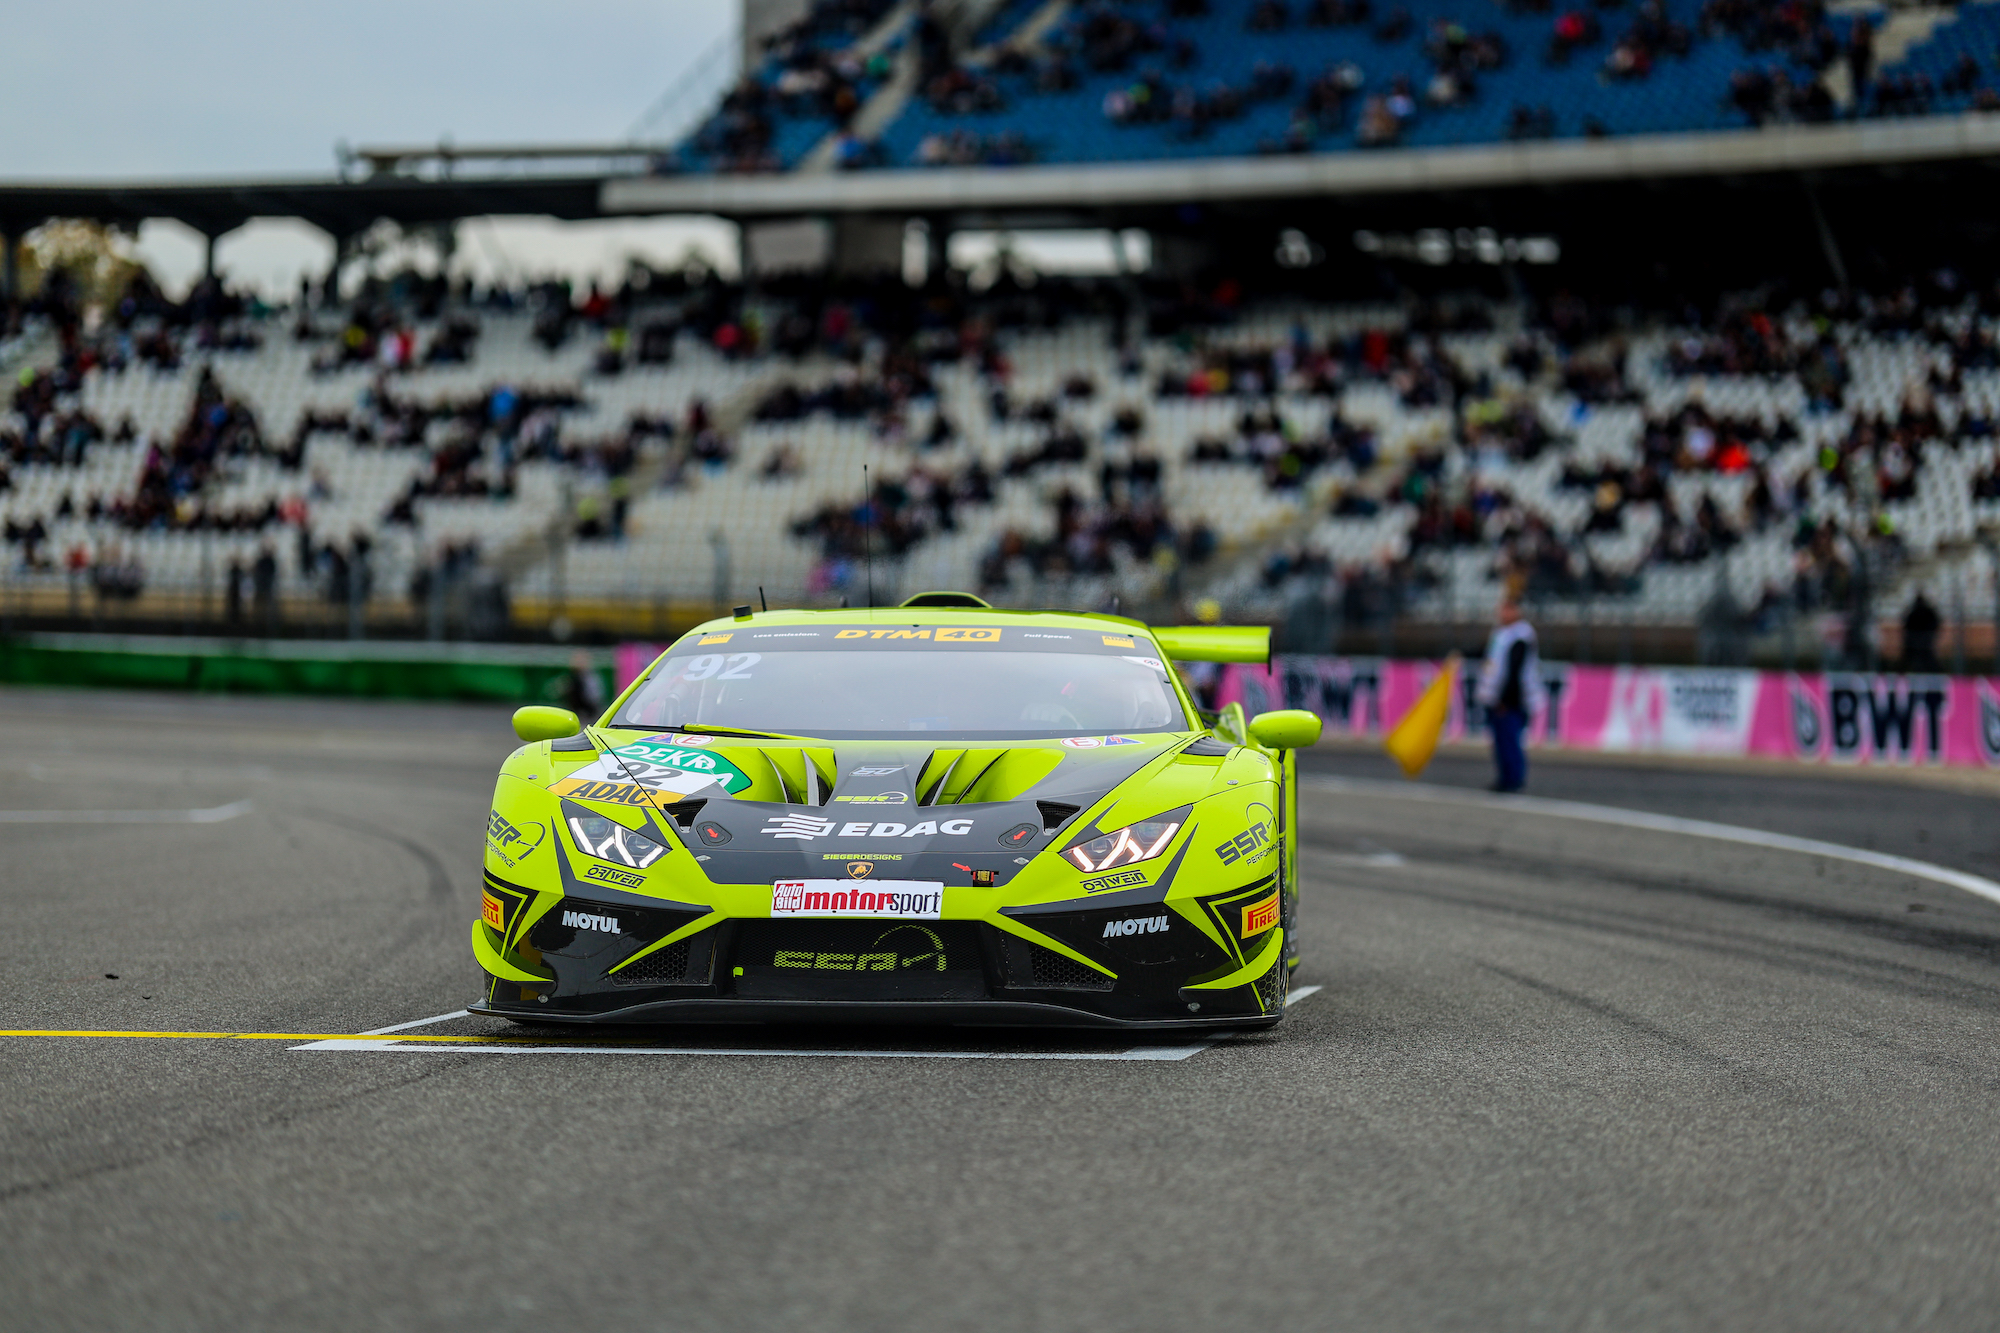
(1285,729)
(539,722)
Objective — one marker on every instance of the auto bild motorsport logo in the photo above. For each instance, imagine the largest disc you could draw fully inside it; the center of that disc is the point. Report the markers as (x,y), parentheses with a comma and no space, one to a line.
(906,899)
(1136,925)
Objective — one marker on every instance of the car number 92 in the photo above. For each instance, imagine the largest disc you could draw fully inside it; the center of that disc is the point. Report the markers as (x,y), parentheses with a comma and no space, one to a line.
(736,666)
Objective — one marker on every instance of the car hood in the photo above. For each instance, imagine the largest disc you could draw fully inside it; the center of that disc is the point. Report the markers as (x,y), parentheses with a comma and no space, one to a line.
(764,810)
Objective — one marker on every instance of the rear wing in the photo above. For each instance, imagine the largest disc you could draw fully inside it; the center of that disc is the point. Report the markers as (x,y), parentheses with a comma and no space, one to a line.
(1215,643)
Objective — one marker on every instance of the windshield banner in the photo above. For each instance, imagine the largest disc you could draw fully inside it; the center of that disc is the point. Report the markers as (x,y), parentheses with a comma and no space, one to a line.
(1831,717)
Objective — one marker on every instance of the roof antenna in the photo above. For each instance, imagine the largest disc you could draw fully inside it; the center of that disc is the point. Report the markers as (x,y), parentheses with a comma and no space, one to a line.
(760,598)
(1114,602)
(868,532)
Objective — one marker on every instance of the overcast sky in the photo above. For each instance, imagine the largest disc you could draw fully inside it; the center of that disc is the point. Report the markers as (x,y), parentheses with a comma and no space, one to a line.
(131,89)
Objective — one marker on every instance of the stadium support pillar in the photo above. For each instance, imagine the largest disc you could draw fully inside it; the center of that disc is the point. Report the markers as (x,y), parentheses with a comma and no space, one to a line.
(10,271)
(1827,244)
(208,255)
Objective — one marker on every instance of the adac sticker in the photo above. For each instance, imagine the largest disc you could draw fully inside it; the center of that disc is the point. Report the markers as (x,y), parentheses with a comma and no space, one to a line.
(1116,641)
(714,638)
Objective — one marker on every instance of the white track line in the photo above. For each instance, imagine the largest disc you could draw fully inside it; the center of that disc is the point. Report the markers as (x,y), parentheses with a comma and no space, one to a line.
(1301,993)
(1694,828)
(419,1023)
(211,816)
(350,1044)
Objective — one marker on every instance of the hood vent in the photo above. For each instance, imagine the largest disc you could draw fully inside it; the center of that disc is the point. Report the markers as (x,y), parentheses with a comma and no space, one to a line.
(683,812)
(1054,813)
(966,777)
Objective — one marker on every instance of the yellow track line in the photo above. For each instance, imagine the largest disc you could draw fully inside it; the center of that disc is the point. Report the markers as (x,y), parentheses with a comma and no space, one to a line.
(283,1036)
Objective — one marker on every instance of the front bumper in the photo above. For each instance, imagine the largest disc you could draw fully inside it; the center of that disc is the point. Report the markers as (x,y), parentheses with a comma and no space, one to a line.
(861,970)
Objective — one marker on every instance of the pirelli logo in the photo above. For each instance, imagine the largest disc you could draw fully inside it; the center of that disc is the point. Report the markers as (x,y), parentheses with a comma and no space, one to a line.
(492,911)
(1260,916)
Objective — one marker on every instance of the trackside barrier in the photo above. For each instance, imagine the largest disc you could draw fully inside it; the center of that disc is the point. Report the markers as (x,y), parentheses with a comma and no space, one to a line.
(1833,717)
(383,669)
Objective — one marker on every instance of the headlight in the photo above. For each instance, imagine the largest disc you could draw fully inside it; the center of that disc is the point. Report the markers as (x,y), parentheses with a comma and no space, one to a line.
(609,840)
(1126,846)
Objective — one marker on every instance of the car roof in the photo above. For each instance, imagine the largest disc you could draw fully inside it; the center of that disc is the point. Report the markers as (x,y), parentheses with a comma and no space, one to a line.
(925,615)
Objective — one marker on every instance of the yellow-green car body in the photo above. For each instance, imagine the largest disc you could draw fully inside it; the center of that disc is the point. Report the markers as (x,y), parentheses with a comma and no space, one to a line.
(869,853)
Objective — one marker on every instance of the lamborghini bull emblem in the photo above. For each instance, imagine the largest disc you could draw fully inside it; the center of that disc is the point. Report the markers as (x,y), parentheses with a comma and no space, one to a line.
(860,869)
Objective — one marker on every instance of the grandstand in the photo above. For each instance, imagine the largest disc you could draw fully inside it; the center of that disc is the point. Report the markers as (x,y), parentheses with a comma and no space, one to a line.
(1316,408)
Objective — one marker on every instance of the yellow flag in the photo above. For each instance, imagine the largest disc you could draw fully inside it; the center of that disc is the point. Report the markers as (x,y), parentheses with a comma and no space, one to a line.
(1414,739)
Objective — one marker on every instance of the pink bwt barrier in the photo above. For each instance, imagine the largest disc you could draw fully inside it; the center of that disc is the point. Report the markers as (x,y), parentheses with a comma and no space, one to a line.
(1835,717)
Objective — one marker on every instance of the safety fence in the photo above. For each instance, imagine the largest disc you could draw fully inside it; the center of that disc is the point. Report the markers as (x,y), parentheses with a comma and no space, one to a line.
(381,669)
(1809,717)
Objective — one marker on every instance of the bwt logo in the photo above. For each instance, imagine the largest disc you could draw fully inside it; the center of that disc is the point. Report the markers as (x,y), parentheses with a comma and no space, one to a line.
(1136,925)
(1888,717)
(607,925)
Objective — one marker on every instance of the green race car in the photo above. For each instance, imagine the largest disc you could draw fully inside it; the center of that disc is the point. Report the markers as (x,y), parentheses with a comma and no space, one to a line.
(939,812)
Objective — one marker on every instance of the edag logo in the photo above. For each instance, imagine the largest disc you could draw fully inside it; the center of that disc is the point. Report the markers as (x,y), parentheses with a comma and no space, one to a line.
(1253,844)
(805,828)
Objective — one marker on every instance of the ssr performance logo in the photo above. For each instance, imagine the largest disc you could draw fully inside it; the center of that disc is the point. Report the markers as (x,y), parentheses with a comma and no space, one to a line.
(511,842)
(1136,925)
(1253,844)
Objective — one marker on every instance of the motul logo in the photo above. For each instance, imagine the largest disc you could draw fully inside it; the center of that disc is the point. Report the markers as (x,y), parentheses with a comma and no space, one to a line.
(1135,925)
(584,921)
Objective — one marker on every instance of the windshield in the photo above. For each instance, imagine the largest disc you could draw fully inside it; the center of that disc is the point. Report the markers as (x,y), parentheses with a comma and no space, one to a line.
(1038,686)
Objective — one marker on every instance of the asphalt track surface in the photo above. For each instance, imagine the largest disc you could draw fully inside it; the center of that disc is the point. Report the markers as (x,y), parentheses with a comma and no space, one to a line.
(1559,1074)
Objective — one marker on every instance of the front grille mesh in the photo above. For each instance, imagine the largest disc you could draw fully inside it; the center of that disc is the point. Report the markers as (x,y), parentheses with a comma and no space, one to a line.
(1271,987)
(1052,969)
(666,967)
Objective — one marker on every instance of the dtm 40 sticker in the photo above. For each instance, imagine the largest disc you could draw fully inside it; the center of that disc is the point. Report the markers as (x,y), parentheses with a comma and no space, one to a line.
(1252,844)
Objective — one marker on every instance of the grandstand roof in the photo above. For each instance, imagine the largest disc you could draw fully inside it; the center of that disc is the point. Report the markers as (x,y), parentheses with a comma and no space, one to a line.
(1775,150)
(340,208)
